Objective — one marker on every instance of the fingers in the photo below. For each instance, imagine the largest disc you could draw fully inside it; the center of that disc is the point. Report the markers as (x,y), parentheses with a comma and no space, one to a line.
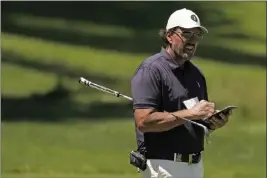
(210,104)
(207,108)
(210,108)
(206,103)
(217,123)
(209,114)
(212,126)
(203,101)
(224,117)
(229,113)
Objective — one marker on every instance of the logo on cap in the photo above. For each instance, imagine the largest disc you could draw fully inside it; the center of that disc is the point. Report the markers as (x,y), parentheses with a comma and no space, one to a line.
(193,17)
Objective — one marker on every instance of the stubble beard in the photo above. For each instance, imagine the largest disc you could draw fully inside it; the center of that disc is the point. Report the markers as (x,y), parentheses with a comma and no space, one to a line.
(180,56)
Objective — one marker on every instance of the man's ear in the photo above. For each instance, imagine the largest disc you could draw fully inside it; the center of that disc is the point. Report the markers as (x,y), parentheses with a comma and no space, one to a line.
(168,37)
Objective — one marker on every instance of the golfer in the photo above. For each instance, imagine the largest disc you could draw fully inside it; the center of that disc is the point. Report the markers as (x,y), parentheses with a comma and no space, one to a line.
(160,85)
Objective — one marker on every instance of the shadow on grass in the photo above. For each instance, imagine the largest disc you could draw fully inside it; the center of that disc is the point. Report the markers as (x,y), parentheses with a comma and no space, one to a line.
(57,104)
(58,69)
(136,15)
(217,53)
(143,18)
(141,42)
(54,109)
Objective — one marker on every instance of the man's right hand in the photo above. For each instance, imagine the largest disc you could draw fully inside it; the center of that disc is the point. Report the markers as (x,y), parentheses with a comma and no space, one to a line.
(202,109)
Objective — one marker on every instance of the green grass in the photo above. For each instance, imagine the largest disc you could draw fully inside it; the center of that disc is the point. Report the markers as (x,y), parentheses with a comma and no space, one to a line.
(68,148)
(72,56)
(41,82)
(90,148)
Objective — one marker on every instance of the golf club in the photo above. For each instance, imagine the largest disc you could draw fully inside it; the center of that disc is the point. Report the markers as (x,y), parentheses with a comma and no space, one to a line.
(118,94)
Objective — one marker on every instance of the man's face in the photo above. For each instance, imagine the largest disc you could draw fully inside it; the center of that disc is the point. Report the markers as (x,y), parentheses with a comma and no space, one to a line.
(184,42)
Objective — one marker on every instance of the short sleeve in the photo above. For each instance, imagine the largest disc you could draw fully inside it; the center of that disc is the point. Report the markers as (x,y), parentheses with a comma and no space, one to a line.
(206,96)
(146,89)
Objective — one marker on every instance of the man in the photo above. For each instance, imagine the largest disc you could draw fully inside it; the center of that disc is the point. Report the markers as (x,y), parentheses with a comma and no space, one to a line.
(159,87)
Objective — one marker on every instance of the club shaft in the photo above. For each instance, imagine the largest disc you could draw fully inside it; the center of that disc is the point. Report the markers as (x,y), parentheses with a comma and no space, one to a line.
(102,88)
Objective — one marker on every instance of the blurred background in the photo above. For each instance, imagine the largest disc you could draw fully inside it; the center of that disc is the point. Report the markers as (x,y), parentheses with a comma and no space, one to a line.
(52,126)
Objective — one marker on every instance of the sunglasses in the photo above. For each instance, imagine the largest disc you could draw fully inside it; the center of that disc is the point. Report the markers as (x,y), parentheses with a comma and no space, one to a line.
(191,35)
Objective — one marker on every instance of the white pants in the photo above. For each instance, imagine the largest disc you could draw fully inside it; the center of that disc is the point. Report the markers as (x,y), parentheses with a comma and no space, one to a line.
(170,169)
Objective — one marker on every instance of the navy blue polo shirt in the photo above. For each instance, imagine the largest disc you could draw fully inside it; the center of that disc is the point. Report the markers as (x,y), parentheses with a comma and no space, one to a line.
(161,84)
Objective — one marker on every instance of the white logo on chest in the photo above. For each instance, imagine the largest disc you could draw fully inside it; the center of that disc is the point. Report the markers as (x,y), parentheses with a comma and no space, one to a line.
(198,84)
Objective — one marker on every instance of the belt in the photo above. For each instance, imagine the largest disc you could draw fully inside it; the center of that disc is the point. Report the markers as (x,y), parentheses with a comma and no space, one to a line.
(193,158)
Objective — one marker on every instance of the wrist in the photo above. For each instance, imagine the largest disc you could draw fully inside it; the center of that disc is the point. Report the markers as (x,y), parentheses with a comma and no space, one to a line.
(191,114)
(175,116)
(178,120)
(186,113)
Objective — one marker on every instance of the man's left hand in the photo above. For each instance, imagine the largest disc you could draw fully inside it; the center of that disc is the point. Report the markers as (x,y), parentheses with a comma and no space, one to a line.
(219,121)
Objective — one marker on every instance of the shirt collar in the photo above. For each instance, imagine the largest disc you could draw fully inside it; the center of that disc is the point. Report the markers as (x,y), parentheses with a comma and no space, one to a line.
(169,59)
